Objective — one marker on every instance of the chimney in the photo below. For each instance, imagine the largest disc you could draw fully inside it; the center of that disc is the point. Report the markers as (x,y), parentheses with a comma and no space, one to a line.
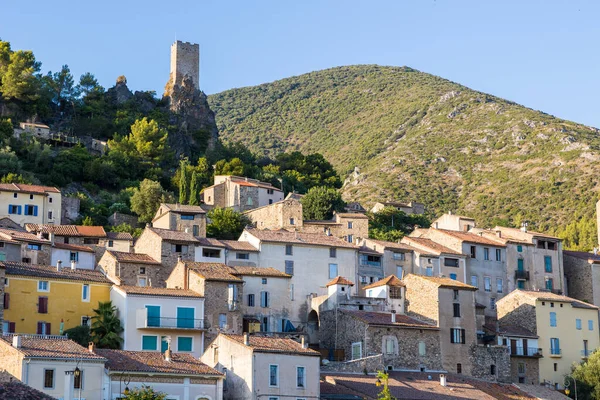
(58,265)
(303,343)
(449,212)
(16,341)
(436,225)
(524,227)
(73,265)
(51,237)
(178,259)
(442,380)
(246,339)
(168,354)
(393,316)
(91,347)
(499,234)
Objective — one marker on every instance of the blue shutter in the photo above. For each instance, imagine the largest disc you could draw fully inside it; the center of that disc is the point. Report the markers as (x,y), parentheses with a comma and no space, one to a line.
(153,315)
(35,211)
(184,344)
(19,210)
(149,342)
(185,317)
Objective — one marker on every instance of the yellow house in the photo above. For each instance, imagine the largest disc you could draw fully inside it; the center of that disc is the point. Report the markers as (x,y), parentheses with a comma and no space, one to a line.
(30,204)
(46,300)
(567,329)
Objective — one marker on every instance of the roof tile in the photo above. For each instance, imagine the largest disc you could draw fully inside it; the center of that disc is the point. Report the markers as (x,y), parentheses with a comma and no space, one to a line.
(391,280)
(156,291)
(50,272)
(51,347)
(133,258)
(173,236)
(339,280)
(430,245)
(283,236)
(385,318)
(213,271)
(441,281)
(34,189)
(268,344)
(258,271)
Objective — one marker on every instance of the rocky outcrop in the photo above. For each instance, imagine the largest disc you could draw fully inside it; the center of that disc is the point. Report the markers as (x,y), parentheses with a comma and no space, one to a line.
(119,93)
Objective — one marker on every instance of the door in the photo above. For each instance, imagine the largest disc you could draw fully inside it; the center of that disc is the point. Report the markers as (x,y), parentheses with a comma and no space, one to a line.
(185,317)
(525,352)
(153,315)
(513,346)
(164,345)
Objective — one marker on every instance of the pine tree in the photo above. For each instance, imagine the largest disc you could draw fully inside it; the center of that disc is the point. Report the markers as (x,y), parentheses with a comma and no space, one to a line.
(194,195)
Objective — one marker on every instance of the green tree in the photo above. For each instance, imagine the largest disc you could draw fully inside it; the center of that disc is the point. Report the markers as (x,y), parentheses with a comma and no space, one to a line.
(587,375)
(80,334)
(19,81)
(14,178)
(87,221)
(146,200)
(61,85)
(148,139)
(144,393)
(6,129)
(226,224)
(9,162)
(320,202)
(392,225)
(382,380)
(183,181)
(194,190)
(88,84)
(233,167)
(106,326)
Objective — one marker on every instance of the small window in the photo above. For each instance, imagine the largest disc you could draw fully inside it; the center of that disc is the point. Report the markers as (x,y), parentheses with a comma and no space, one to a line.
(473,252)
(43,286)
(242,256)
(455,294)
(49,199)
(142,281)
(222,321)
(349,224)
(188,217)
(333,271)
(6,301)
(459,368)
(142,270)
(590,325)
(264,281)
(429,271)
(474,281)
(549,284)
(356,350)
(34,246)
(499,285)
(273,375)
(111,243)
(457,336)
(149,343)
(74,256)
(48,379)
(332,252)
(487,283)
(555,367)
(264,299)
(184,344)
(85,292)
(519,248)
(451,262)
(456,310)
(553,319)
(251,300)
(492,369)
(498,255)
(350,238)
(486,254)
(50,215)
(492,303)
(453,277)
(521,368)
(86,321)
(422,349)
(30,197)
(399,256)
(14,195)
(292,222)
(578,324)
(211,253)
(289,250)
(289,267)
(300,377)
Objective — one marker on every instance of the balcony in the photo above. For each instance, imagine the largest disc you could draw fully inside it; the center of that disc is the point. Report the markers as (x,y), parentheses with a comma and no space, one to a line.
(586,353)
(522,275)
(233,305)
(526,352)
(145,322)
(555,352)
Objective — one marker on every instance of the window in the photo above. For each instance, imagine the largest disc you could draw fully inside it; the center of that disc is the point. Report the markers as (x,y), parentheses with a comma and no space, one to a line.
(77,379)
(180,248)
(149,343)
(264,299)
(521,284)
(273,375)
(554,346)
(457,335)
(459,368)
(142,270)
(349,224)
(111,243)
(429,271)
(34,246)
(300,377)
(453,277)
(15,195)
(8,326)
(451,262)
(188,217)
(499,285)
(142,282)
(48,379)
(264,325)
(333,271)
(6,301)
(399,256)
(74,256)
(269,191)
(578,324)
(389,346)
(487,283)
(332,252)
(195,230)
(492,369)
(356,350)
(42,305)
(350,238)
(551,245)
(486,254)
(153,315)
(548,263)
(43,328)
(289,250)
(31,210)
(30,197)
(49,199)
(242,256)
(456,310)
(12,209)
(473,252)
(492,303)
(292,291)
(289,267)
(184,343)
(251,300)
(211,253)
(90,241)
(498,255)
(422,349)
(590,325)
(455,294)
(50,216)
(399,271)
(363,279)
(549,284)
(370,260)
(521,368)
(222,321)
(555,367)
(264,281)
(86,321)
(474,281)
(270,201)
(292,221)
(85,292)
(519,248)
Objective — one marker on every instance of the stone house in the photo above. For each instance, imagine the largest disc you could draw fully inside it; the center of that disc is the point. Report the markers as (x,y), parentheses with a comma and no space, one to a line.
(524,352)
(130,269)
(151,317)
(453,222)
(354,207)
(47,363)
(351,227)
(240,193)
(7,223)
(230,252)
(179,217)
(391,289)
(179,375)
(397,258)
(39,130)
(94,236)
(285,214)
(582,276)
(433,259)
(261,367)
(168,247)
(567,329)
(408,208)
(32,248)
(223,293)
(118,218)
(30,203)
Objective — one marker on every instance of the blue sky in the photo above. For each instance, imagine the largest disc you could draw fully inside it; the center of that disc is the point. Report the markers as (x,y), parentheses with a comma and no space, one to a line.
(542,54)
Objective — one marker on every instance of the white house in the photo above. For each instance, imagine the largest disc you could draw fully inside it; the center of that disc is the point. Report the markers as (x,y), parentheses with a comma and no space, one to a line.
(74,255)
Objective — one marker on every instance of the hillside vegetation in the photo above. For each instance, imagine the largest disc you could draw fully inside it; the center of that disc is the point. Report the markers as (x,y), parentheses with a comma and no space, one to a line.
(415,136)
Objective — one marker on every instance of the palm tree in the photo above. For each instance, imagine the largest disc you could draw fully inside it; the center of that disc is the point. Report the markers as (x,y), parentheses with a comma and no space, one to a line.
(106,327)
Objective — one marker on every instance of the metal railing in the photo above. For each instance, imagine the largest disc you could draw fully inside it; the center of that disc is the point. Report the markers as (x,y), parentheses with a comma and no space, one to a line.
(522,275)
(555,352)
(586,353)
(145,321)
(526,351)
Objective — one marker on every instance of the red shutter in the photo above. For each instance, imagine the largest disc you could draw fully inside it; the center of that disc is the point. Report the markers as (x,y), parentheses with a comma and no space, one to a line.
(43,305)
(48,328)
(11,327)
(6,301)
(39,328)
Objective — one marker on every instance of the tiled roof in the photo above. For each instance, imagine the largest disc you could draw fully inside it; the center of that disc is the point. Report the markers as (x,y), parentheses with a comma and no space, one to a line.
(50,272)
(268,344)
(237,245)
(283,236)
(11,388)
(73,247)
(516,231)
(367,250)
(514,330)
(430,245)
(156,291)
(133,258)
(339,280)
(33,189)
(595,258)
(20,236)
(154,362)
(352,215)
(391,245)
(173,236)
(39,346)
(444,282)
(119,235)
(470,237)
(213,271)
(391,280)
(385,318)
(68,230)
(549,296)
(184,208)
(258,271)
(210,242)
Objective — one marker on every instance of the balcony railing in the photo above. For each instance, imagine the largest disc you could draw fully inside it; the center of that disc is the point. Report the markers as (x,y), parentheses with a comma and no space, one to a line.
(365,263)
(143,321)
(526,351)
(586,353)
(522,275)
(554,352)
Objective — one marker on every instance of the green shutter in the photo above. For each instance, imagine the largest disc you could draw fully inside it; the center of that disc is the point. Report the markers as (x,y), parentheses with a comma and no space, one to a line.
(153,315)
(185,317)
(184,344)
(149,343)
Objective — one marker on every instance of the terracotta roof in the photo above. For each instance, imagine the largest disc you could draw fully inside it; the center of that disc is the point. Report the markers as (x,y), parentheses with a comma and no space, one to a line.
(173,236)
(352,215)
(430,245)
(391,280)
(38,346)
(156,291)
(385,318)
(133,258)
(391,245)
(269,344)
(590,257)
(442,282)
(184,208)
(68,230)
(237,245)
(258,271)
(339,280)
(153,362)
(90,231)
(11,388)
(74,247)
(549,296)
(210,242)
(514,330)
(470,237)
(50,272)
(283,236)
(506,230)
(119,235)
(20,236)
(213,271)
(33,189)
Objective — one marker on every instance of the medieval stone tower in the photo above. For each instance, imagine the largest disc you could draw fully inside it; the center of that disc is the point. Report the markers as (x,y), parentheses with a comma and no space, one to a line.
(185,60)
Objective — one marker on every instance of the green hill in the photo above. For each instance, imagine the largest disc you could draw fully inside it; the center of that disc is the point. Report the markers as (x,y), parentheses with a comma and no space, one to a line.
(415,136)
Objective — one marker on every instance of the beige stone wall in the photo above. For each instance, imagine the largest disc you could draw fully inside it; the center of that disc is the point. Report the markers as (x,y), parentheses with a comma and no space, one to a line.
(149,243)
(278,215)
(172,220)
(422,299)
(185,60)
(532,370)
(11,359)
(359,229)
(518,311)
(580,276)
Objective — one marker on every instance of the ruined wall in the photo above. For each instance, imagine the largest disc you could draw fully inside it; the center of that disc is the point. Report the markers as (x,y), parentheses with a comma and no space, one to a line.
(580,279)
(185,60)
(484,357)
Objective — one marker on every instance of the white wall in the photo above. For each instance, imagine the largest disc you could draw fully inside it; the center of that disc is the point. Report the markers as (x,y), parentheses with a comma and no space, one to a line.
(174,391)
(287,376)
(199,258)
(280,300)
(86,260)
(264,196)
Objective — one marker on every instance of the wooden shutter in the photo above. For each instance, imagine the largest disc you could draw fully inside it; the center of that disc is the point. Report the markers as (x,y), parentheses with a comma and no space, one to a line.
(39,328)
(43,305)
(48,331)
(6,301)
(463,336)
(12,327)
(451,335)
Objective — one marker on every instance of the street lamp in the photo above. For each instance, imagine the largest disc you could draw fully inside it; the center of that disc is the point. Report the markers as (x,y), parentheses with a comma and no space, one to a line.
(567,383)
(127,381)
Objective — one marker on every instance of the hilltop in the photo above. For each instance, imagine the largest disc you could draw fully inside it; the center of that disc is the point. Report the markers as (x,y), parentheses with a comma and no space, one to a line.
(415,136)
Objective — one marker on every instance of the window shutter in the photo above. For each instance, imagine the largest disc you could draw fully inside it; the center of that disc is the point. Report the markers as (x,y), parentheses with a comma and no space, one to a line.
(462,331)
(12,327)
(267,299)
(19,210)
(43,305)
(451,335)
(35,211)
(6,301)
(39,328)
(48,328)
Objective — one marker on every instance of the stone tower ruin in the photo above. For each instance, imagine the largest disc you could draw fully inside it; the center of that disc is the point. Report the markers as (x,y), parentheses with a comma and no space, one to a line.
(185,61)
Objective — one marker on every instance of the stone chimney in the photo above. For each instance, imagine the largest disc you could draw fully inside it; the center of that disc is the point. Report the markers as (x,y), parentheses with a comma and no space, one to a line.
(51,237)
(246,339)
(168,354)
(16,341)
(442,380)
(73,265)
(58,265)
(393,316)
(91,347)
(303,342)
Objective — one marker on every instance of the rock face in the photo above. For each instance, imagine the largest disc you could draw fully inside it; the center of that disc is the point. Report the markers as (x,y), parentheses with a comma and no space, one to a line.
(119,93)
(196,127)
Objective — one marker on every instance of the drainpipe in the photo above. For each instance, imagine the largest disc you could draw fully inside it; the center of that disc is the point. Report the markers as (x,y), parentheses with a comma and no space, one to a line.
(26,380)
